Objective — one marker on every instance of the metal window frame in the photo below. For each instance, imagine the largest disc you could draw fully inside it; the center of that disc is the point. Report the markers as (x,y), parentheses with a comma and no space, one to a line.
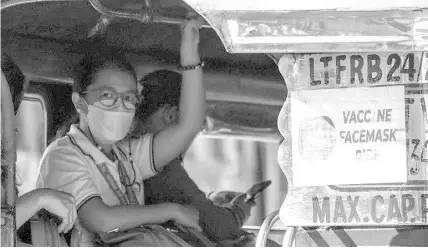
(37,97)
(8,211)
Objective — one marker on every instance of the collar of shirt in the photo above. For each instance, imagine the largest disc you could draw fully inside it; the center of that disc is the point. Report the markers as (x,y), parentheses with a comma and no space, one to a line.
(88,147)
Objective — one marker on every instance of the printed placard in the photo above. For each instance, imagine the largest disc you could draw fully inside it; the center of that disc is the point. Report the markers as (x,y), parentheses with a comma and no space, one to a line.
(328,71)
(348,136)
(329,208)
(362,204)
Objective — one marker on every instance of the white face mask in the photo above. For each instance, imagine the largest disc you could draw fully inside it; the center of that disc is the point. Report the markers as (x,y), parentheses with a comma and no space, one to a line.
(108,126)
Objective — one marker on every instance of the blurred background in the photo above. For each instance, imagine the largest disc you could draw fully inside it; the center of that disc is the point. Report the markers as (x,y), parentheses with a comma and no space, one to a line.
(235,165)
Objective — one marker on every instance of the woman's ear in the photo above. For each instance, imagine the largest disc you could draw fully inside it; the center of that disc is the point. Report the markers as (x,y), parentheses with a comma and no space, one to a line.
(164,111)
(79,104)
(170,113)
(174,113)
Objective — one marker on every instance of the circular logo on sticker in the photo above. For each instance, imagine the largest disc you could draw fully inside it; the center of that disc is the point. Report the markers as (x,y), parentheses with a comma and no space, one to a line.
(317,138)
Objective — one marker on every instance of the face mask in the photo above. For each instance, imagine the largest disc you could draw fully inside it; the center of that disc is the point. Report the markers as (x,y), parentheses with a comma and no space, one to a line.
(108,126)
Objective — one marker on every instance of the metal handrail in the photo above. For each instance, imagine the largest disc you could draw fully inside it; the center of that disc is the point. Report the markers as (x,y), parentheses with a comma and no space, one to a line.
(13,3)
(289,237)
(146,15)
(265,228)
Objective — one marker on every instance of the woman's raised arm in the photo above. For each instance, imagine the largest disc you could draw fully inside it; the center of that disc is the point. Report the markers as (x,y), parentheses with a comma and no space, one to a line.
(173,140)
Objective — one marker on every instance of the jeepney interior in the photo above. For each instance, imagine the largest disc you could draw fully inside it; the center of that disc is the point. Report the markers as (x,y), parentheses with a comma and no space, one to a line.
(245,94)
(47,38)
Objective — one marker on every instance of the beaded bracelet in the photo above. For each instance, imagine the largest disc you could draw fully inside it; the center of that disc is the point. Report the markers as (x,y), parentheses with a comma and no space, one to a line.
(191,67)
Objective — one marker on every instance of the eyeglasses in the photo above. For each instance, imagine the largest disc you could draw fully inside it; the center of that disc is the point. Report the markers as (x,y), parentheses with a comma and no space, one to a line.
(108,97)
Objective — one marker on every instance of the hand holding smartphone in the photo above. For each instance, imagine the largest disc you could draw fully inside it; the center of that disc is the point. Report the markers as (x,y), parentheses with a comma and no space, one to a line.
(256,190)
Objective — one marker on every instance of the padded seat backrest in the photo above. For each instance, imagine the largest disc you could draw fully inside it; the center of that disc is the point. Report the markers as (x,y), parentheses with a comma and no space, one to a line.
(44,232)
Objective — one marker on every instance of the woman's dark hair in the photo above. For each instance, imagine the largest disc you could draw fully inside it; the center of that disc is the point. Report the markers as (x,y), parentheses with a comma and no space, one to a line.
(159,88)
(64,128)
(93,62)
(84,74)
(14,78)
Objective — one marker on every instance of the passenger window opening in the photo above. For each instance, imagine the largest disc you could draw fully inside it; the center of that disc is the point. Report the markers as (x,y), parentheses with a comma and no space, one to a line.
(207,162)
(31,140)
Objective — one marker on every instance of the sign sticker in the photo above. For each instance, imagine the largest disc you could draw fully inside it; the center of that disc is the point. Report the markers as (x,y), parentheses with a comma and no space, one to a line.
(350,70)
(355,148)
(417,144)
(348,136)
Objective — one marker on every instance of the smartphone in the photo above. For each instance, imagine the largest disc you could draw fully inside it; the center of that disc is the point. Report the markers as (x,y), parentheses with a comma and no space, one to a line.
(255,191)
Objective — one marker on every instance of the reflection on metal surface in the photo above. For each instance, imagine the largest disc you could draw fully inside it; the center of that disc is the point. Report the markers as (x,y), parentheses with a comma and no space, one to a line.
(11,3)
(101,25)
(288,29)
(219,129)
(248,116)
(325,32)
(303,5)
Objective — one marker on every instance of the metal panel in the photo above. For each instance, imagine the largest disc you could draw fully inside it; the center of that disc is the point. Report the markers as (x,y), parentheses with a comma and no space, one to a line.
(317,26)
(349,205)
(353,237)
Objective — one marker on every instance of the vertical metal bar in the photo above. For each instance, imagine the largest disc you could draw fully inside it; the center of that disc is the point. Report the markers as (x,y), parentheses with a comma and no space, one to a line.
(260,177)
(290,237)
(8,216)
(265,228)
(8,162)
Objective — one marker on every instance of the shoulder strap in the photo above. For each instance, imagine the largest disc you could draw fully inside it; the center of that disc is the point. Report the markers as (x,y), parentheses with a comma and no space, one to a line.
(112,184)
(129,191)
(44,233)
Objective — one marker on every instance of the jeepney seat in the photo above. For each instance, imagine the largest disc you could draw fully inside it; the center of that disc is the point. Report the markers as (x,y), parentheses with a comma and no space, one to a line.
(44,232)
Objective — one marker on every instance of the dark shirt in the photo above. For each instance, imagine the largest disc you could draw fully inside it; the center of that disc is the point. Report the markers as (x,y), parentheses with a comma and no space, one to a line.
(173,184)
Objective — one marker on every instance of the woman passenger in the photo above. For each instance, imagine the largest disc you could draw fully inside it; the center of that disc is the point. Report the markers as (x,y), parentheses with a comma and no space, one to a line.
(105,96)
